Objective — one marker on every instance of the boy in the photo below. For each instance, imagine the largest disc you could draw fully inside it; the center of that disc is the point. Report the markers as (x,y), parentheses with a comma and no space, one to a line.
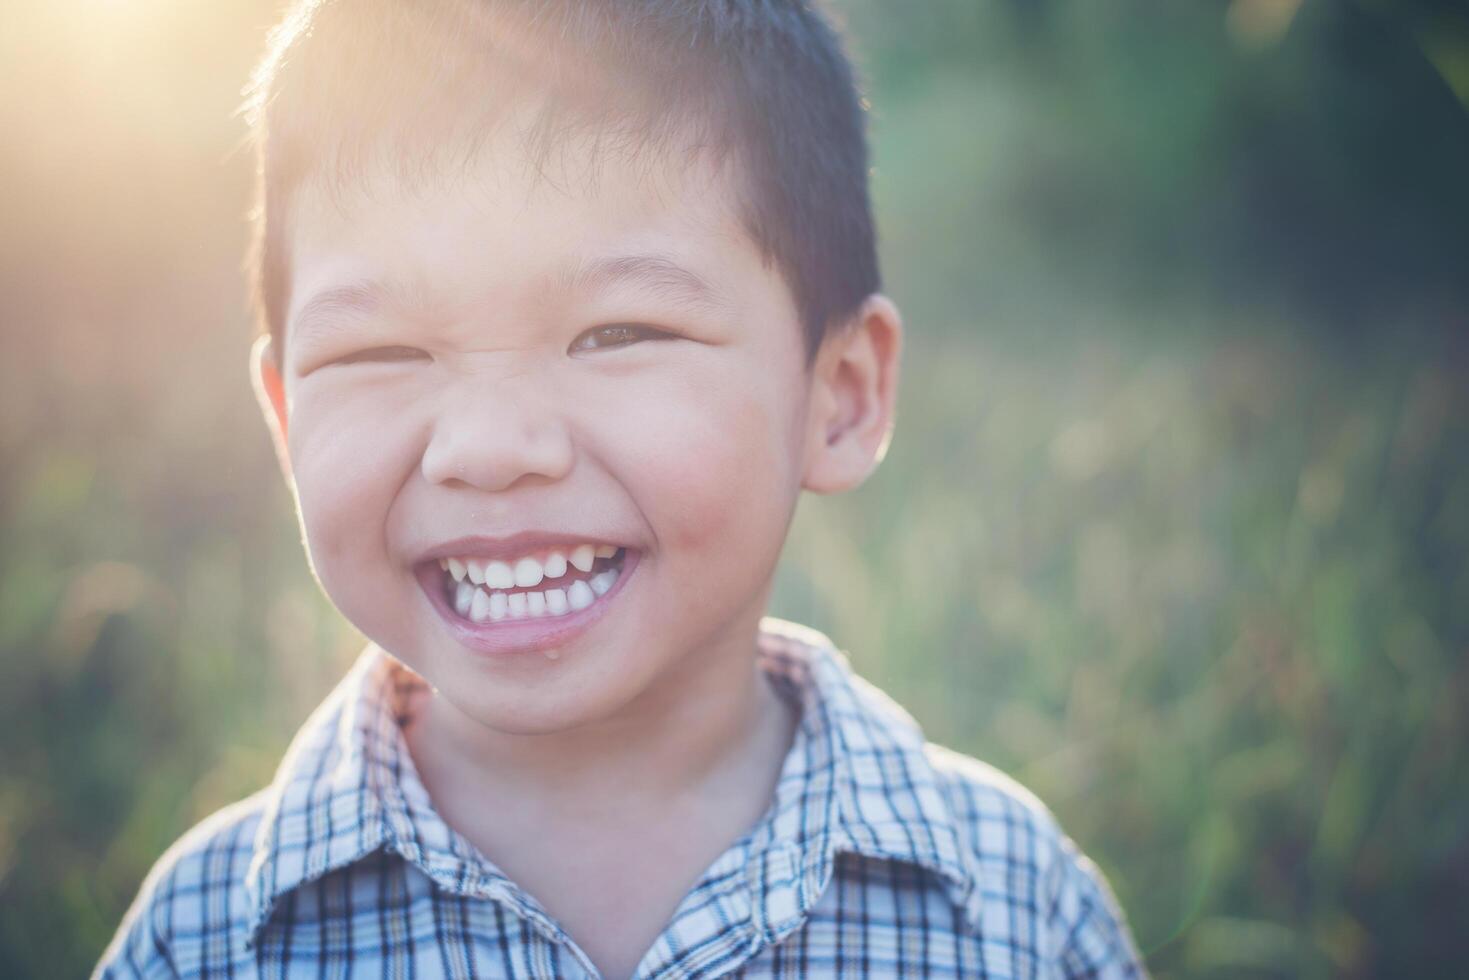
(565,303)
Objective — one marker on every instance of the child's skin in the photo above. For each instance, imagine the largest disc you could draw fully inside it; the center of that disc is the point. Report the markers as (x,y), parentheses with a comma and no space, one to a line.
(607,779)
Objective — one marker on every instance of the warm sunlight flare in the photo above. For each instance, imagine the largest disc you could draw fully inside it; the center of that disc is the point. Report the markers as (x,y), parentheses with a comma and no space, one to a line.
(1148,510)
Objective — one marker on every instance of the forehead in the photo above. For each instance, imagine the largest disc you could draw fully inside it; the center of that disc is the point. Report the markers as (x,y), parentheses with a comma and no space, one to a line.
(510,225)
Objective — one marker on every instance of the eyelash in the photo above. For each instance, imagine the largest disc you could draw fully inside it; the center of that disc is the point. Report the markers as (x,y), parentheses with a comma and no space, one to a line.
(631,333)
(637,331)
(382,355)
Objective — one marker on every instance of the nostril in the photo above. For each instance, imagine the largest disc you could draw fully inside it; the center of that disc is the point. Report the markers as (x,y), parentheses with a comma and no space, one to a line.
(497,450)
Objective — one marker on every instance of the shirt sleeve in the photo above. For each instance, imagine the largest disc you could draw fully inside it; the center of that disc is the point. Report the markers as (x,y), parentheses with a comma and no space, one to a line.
(1087,928)
(138,950)
(184,919)
(141,945)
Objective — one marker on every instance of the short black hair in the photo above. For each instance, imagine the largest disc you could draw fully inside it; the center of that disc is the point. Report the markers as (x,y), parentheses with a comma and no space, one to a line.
(351,85)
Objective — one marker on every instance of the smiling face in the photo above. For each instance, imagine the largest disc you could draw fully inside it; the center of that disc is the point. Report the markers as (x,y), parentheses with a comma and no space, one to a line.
(512,367)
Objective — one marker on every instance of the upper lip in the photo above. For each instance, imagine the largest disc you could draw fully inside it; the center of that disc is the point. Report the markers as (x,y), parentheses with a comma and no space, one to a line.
(513,546)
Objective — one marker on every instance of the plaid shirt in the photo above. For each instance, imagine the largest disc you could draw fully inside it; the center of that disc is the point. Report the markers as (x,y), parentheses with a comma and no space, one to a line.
(881,855)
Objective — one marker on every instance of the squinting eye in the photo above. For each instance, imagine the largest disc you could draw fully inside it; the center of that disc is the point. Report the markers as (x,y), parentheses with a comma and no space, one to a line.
(382,354)
(616,335)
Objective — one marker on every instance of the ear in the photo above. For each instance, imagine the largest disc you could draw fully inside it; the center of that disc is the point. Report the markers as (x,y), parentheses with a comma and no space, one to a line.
(270,392)
(854,388)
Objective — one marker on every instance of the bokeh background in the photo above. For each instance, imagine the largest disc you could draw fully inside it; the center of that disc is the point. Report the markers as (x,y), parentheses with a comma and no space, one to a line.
(1174,526)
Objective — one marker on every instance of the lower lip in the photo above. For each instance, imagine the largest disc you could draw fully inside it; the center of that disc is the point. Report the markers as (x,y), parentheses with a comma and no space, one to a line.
(531,634)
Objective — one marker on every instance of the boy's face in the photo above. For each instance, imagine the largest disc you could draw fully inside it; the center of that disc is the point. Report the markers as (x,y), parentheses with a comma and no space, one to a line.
(457,384)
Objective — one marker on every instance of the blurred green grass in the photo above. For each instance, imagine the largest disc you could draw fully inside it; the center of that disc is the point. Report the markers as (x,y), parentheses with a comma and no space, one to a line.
(1203,598)
(1173,527)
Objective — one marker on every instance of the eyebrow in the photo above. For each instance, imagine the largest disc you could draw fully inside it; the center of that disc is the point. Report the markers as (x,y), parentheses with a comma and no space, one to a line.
(658,274)
(325,311)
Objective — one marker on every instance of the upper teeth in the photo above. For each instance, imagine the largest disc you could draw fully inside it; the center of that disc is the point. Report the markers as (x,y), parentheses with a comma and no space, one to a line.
(527,571)
(582,557)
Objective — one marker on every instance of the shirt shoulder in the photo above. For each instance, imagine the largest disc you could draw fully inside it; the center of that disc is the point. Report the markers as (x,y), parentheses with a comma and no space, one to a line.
(993,811)
(190,914)
(1021,857)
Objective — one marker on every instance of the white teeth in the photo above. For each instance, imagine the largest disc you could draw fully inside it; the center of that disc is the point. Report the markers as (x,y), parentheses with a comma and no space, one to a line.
(579,596)
(582,557)
(602,581)
(493,603)
(499,576)
(479,610)
(528,572)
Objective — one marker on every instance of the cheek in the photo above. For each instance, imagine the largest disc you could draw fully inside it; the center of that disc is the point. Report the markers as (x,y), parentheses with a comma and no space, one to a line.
(715,468)
(348,461)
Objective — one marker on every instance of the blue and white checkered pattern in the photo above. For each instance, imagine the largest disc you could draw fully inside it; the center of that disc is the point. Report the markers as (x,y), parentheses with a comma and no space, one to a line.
(881,855)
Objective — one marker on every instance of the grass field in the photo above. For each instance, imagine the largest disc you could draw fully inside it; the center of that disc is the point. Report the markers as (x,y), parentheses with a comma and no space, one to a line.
(1193,572)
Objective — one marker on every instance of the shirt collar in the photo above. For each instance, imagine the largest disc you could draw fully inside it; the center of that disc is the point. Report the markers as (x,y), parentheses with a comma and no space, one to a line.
(347,788)
(856,780)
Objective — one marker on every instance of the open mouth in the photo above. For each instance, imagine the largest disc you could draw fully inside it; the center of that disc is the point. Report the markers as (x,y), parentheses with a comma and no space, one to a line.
(546,585)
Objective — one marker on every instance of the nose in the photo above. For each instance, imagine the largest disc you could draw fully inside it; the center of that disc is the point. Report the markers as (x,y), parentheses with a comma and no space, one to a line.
(495,441)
